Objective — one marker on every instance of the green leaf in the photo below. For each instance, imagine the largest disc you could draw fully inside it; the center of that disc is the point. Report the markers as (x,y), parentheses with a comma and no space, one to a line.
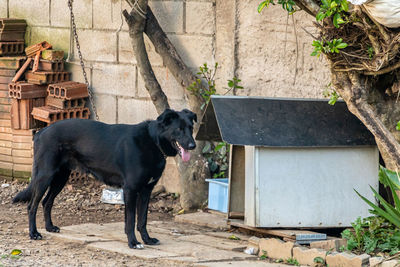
(16,252)
(207,148)
(262,5)
(344,5)
(320,16)
(398,126)
(342,45)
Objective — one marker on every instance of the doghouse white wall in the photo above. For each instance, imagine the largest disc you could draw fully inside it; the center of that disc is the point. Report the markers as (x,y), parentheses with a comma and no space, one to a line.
(308,187)
(260,49)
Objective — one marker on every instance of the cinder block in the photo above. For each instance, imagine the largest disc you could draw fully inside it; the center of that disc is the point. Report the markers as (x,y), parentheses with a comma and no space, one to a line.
(82,12)
(106,107)
(57,37)
(123,79)
(3,8)
(98,45)
(133,111)
(276,248)
(126,54)
(76,71)
(107,14)
(306,256)
(167,81)
(346,259)
(169,14)
(200,17)
(35,12)
(194,50)
(332,244)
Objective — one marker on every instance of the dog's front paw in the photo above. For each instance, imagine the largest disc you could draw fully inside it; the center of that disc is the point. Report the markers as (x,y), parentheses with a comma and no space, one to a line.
(152,241)
(136,245)
(35,235)
(53,229)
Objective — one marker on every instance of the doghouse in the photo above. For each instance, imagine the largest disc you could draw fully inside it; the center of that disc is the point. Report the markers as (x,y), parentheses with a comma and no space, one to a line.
(293,162)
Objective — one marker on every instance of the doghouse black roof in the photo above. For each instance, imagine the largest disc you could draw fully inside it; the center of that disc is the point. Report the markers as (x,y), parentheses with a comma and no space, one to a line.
(281,122)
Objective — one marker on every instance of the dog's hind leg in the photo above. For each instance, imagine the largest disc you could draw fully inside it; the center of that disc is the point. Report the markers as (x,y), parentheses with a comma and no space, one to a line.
(57,184)
(40,184)
(142,209)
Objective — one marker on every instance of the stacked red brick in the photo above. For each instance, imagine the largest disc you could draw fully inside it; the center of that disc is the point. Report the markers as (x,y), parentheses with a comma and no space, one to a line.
(15,145)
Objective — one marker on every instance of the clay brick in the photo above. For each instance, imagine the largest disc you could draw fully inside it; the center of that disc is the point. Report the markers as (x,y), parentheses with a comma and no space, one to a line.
(33,49)
(23,90)
(5,79)
(68,90)
(51,114)
(332,244)
(5,101)
(11,48)
(9,73)
(346,259)
(53,54)
(65,104)
(7,24)
(12,36)
(13,63)
(44,77)
(21,109)
(48,65)
(5,151)
(306,256)
(276,248)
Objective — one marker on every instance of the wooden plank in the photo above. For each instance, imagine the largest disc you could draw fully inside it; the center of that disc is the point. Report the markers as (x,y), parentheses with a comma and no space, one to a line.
(22,167)
(6,165)
(5,151)
(22,146)
(5,123)
(5,115)
(4,143)
(22,153)
(5,130)
(27,132)
(5,137)
(6,158)
(24,161)
(21,139)
(289,234)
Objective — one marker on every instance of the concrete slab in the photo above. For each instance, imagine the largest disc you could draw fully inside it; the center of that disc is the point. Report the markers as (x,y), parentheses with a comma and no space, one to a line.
(240,264)
(211,220)
(179,242)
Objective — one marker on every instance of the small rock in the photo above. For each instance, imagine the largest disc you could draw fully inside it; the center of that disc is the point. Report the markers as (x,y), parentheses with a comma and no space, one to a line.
(5,185)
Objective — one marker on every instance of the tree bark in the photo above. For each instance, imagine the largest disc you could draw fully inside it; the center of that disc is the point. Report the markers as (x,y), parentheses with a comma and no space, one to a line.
(194,172)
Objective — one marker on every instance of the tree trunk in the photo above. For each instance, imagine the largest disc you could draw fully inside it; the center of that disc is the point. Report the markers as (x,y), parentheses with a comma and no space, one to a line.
(194,172)
(376,110)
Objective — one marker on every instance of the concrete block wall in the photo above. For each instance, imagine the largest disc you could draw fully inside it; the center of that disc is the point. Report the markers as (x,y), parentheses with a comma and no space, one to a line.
(259,49)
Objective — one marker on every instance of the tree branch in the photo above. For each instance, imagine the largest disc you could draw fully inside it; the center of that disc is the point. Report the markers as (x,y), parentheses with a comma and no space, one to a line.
(172,60)
(309,6)
(136,25)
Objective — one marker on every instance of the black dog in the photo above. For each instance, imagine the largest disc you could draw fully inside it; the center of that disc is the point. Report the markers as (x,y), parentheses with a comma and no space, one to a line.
(129,156)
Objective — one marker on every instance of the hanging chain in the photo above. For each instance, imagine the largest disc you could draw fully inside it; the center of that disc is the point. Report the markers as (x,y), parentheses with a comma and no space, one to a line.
(78,47)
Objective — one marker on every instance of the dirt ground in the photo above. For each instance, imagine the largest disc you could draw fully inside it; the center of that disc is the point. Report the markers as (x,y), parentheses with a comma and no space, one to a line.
(78,203)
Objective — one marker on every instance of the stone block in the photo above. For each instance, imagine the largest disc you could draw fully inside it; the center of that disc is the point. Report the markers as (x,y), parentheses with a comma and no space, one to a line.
(391,263)
(97,45)
(346,259)
(125,50)
(332,244)
(375,261)
(167,81)
(200,17)
(107,14)
(169,15)
(114,79)
(194,50)
(133,111)
(36,13)
(276,248)
(60,17)
(106,107)
(306,256)
(57,37)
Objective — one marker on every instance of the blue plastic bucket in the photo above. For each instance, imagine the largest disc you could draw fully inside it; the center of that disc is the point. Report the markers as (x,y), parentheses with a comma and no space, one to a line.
(218,194)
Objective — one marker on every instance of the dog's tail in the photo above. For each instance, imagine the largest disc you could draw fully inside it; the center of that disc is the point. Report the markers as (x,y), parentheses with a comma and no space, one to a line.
(23,196)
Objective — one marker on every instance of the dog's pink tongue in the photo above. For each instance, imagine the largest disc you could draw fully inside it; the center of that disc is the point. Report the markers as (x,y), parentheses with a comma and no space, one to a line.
(185,155)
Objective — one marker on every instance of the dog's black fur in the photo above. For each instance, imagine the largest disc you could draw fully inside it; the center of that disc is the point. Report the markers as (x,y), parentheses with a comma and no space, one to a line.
(127,156)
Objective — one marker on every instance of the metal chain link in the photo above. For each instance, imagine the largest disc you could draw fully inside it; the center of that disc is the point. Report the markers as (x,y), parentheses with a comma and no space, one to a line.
(78,47)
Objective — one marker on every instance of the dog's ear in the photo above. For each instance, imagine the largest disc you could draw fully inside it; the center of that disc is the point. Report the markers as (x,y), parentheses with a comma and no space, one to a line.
(191,115)
(167,116)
